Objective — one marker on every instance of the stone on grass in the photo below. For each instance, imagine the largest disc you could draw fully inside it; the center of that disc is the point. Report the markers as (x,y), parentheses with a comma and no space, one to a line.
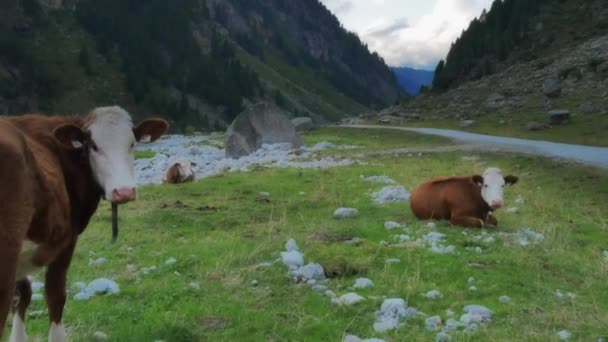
(433,294)
(97,287)
(392,261)
(564,335)
(291,245)
(195,285)
(345,212)
(504,299)
(254,282)
(512,210)
(37,297)
(363,283)
(519,200)
(319,288)
(472,288)
(293,259)
(37,286)
(471,281)
(350,298)
(97,262)
(391,312)
(403,238)
(391,194)
(452,325)
(442,337)
(170,261)
(378,179)
(352,338)
(605,256)
(100,336)
(431,225)
(432,323)
(476,314)
(311,271)
(390,225)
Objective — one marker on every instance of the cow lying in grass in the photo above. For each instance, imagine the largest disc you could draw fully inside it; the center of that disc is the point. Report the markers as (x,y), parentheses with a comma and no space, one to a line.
(54,170)
(465,201)
(180,172)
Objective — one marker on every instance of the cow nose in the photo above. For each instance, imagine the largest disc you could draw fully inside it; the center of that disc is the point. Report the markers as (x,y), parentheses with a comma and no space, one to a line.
(496,204)
(123,195)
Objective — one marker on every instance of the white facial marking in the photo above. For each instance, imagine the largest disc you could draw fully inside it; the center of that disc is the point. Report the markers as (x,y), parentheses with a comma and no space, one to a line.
(112,158)
(185,168)
(24,265)
(18,330)
(57,333)
(493,184)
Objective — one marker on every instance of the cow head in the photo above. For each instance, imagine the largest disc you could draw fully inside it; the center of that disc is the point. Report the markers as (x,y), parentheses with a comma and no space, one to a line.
(185,169)
(492,184)
(108,136)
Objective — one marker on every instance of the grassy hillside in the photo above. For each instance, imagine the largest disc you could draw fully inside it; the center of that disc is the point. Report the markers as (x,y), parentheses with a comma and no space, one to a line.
(219,231)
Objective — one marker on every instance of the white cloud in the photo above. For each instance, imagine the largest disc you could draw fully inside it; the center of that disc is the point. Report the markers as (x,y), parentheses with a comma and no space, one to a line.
(422,40)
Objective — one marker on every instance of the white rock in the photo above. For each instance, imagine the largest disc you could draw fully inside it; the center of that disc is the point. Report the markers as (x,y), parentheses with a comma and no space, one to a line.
(352,338)
(293,259)
(512,210)
(350,298)
(442,337)
(504,299)
(449,313)
(391,194)
(392,261)
(564,335)
(37,286)
(431,225)
(330,293)
(391,311)
(345,212)
(195,285)
(390,225)
(471,281)
(433,294)
(97,262)
(131,268)
(96,287)
(37,297)
(378,179)
(452,325)
(519,200)
(264,194)
(312,271)
(363,283)
(291,245)
(605,256)
(79,285)
(254,282)
(403,238)
(170,261)
(476,314)
(319,288)
(432,323)
(100,336)
(265,264)
(472,288)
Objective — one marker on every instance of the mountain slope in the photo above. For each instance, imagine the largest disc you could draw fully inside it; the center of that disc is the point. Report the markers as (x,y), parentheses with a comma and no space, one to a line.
(516,31)
(195,62)
(412,79)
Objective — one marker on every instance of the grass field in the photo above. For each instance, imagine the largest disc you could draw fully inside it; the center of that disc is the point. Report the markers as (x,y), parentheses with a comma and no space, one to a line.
(219,231)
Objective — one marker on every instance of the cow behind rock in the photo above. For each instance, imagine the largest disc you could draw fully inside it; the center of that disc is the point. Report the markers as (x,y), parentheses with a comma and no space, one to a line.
(54,172)
(465,201)
(180,172)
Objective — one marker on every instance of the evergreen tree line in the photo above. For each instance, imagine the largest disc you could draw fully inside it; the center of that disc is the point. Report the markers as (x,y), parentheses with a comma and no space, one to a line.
(156,46)
(488,39)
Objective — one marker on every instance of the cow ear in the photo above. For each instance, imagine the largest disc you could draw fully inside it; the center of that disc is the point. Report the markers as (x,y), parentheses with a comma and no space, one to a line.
(70,136)
(477,179)
(193,164)
(510,180)
(150,130)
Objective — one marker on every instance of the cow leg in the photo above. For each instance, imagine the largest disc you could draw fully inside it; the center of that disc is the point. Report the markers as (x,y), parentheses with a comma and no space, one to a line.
(24,297)
(492,221)
(9,256)
(55,291)
(466,221)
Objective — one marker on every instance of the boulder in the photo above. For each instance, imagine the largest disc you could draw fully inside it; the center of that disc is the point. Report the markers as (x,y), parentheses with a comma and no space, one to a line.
(302,123)
(262,123)
(467,123)
(495,101)
(559,116)
(552,88)
(535,126)
(588,107)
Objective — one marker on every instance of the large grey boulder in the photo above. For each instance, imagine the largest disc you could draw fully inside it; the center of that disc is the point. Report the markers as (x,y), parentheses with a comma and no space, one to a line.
(302,123)
(552,88)
(262,123)
(559,116)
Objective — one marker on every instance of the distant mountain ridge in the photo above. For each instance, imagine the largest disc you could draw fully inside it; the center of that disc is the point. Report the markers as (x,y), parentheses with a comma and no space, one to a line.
(195,62)
(411,79)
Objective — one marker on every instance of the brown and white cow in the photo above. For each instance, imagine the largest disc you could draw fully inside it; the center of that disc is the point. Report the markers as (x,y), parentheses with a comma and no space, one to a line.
(180,172)
(465,201)
(53,172)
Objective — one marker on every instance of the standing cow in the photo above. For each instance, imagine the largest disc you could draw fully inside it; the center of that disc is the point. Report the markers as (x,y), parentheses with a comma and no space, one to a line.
(53,172)
(465,201)
(180,172)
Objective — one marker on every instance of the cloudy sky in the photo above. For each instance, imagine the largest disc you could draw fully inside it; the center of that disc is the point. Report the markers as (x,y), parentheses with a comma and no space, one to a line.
(415,33)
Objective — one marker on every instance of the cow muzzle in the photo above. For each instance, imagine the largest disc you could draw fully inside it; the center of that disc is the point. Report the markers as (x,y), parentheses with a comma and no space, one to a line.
(123,195)
(496,204)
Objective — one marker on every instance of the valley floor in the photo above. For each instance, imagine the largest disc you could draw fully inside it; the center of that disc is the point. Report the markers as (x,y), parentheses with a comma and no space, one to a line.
(210,252)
